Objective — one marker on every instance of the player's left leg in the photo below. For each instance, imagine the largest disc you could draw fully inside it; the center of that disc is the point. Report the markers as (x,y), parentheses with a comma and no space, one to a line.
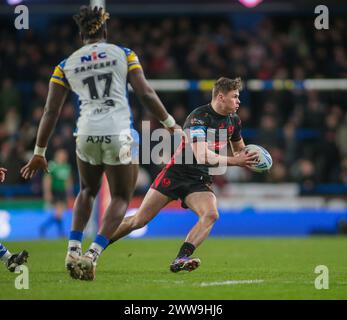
(153,202)
(121,180)
(12,261)
(204,204)
(90,182)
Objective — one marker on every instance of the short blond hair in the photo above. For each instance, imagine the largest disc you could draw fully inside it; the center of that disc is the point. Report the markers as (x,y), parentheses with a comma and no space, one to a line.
(225,85)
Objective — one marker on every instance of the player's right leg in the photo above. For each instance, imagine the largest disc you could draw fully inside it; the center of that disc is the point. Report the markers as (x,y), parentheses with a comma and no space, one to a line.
(151,205)
(90,181)
(153,202)
(121,179)
(204,204)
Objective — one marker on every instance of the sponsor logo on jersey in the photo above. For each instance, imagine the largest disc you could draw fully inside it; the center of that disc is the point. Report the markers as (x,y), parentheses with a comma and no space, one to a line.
(94,56)
(99,139)
(95,66)
(166,182)
(231,130)
(197,121)
(197,133)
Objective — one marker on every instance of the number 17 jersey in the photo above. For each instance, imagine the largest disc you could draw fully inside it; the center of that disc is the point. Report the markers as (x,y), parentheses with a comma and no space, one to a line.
(98,73)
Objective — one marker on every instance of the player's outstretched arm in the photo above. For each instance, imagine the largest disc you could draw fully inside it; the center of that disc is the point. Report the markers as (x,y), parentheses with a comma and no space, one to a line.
(150,99)
(55,100)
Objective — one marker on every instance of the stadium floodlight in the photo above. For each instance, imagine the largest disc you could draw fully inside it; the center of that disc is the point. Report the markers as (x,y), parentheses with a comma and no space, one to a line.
(14,2)
(250,3)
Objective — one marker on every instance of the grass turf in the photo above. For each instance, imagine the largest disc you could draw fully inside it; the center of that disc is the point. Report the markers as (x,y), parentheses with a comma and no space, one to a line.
(139,269)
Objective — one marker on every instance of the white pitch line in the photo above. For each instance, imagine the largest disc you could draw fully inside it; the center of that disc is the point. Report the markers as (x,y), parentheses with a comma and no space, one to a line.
(168,281)
(229,282)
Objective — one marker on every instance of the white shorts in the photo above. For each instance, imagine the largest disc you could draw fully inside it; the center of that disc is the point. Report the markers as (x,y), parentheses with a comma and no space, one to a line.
(111,149)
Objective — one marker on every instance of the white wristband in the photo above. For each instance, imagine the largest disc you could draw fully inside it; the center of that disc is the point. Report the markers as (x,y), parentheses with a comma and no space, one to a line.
(39,151)
(169,122)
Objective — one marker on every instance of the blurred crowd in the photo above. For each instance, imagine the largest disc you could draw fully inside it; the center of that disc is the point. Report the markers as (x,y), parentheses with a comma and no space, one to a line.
(305,131)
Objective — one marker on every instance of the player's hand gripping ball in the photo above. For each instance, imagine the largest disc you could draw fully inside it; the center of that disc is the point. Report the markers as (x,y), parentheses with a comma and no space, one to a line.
(265,159)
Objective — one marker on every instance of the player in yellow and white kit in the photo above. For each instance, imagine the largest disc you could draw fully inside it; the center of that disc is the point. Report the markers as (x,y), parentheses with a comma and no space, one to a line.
(98,73)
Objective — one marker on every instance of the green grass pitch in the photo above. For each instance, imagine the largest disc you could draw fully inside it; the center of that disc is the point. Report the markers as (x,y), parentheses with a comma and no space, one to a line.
(281,268)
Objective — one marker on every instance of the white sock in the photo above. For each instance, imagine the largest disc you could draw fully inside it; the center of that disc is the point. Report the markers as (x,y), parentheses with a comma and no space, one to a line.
(96,247)
(74,244)
(6,256)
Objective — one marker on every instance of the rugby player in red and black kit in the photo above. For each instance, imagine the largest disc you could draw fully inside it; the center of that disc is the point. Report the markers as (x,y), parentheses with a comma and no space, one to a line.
(191,181)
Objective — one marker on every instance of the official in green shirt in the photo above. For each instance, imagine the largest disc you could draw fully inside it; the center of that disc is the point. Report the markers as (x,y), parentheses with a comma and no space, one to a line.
(57,186)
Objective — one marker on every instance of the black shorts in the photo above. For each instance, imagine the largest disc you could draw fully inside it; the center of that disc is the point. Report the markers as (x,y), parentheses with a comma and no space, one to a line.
(177,184)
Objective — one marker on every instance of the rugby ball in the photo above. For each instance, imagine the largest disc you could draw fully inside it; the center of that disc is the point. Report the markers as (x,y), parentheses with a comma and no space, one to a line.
(265,159)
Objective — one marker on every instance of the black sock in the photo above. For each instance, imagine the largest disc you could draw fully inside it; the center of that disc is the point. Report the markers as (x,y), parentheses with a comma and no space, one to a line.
(186,250)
